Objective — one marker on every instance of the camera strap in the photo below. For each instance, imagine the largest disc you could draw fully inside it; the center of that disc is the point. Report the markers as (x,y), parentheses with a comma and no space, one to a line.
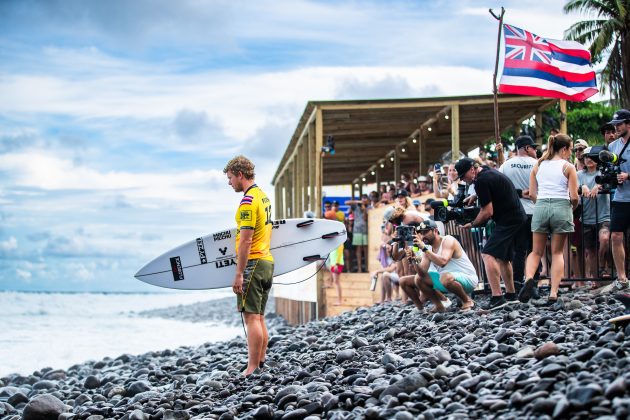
(623,149)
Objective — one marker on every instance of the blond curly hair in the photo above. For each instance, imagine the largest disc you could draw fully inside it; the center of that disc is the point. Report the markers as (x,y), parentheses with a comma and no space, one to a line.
(240,164)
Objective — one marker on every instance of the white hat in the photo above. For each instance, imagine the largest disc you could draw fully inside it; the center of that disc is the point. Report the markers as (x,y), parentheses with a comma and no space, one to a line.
(388,213)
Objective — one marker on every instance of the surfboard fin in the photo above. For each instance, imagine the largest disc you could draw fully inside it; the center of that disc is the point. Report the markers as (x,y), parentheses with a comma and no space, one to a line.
(332,235)
(312,258)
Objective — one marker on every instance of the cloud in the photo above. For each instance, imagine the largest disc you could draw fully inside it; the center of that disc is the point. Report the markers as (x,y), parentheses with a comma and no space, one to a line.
(269,141)
(10,244)
(389,86)
(24,275)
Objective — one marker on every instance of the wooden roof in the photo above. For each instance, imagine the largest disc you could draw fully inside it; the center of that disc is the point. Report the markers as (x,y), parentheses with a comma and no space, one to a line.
(367,132)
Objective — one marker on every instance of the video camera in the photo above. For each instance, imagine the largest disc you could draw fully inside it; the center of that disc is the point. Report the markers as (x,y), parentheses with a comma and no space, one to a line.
(609,164)
(447,210)
(404,235)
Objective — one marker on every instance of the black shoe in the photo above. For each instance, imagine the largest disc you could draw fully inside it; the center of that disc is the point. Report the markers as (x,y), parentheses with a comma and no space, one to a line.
(535,293)
(496,302)
(526,292)
(511,298)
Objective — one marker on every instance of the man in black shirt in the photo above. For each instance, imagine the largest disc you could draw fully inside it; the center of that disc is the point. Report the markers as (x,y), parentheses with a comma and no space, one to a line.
(498,200)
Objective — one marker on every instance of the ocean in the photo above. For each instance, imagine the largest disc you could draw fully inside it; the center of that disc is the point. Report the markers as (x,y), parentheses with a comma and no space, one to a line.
(59,330)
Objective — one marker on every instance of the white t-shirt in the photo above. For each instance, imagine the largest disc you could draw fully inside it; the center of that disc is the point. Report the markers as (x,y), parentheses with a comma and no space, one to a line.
(518,170)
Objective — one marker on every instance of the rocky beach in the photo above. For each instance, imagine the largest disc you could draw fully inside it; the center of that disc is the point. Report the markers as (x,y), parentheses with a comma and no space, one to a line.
(387,361)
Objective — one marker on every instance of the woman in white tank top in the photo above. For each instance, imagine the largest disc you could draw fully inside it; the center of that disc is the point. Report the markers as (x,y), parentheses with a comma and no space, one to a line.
(553,187)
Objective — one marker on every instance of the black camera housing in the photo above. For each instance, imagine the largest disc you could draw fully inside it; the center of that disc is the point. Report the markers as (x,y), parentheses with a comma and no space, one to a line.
(447,210)
(608,165)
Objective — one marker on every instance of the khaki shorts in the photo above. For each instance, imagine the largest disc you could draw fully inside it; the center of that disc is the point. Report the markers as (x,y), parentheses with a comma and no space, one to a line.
(552,215)
(359,239)
(257,281)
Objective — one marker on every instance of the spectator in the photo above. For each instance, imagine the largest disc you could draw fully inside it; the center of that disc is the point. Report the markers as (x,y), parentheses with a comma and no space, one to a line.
(518,170)
(608,131)
(327,207)
(390,281)
(619,220)
(335,265)
(339,214)
(358,209)
(374,200)
(576,251)
(423,186)
(553,187)
(403,200)
(498,200)
(445,187)
(595,216)
(444,267)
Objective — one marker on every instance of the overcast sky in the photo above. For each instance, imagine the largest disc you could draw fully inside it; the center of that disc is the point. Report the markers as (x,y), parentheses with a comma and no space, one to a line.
(117,117)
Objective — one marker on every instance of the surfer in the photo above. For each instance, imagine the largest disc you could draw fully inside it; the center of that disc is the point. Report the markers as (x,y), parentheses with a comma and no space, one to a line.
(254,264)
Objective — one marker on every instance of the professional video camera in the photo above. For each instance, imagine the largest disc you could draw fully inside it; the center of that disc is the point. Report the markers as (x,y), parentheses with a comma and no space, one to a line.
(447,210)
(404,235)
(608,164)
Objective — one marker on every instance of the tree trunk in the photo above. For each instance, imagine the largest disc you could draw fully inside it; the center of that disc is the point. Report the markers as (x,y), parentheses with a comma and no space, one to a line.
(625,70)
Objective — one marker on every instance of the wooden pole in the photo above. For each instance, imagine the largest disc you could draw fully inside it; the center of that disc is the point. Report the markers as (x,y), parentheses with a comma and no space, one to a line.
(454,133)
(319,142)
(497,133)
(563,116)
(312,169)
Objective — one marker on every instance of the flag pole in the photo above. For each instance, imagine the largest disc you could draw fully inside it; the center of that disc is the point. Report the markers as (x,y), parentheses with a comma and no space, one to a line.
(497,134)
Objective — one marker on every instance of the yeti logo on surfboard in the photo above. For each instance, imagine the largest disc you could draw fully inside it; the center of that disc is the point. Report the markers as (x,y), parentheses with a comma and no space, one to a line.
(225,263)
(177,269)
(202,251)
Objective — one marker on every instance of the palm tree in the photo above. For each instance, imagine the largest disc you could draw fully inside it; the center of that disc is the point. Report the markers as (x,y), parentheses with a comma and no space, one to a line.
(609,38)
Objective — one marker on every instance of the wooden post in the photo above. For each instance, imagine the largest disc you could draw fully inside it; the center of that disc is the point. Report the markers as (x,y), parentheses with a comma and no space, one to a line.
(352,193)
(298,181)
(295,194)
(396,166)
(422,155)
(319,142)
(289,191)
(304,170)
(312,169)
(563,116)
(539,128)
(455,132)
(276,204)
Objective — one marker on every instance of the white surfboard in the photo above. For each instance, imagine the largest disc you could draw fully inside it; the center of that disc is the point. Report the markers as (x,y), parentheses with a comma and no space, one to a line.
(209,262)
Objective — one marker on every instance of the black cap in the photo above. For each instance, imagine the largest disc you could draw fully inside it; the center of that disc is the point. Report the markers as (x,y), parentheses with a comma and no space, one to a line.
(463,165)
(335,203)
(402,192)
(620,116)
(523,141)
(428,224)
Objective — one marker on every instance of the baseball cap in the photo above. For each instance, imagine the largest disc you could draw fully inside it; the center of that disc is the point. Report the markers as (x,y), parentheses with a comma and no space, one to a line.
(402,192)
(387,214)
(523,141)
(620,116)
(428,224)
(463,165)
(423,178)
(416,202)
(580,142)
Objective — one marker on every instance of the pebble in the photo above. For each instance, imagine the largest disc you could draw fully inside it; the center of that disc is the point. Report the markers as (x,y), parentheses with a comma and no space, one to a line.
(386,361)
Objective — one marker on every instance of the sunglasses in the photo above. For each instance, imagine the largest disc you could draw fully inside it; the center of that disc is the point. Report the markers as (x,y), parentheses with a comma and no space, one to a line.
(579,149)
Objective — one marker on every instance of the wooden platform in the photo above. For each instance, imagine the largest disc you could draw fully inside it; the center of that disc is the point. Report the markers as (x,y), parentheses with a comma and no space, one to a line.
(355,292)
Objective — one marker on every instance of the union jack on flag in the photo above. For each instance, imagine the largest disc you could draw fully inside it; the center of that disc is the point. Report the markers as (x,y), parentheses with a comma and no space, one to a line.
(537,66)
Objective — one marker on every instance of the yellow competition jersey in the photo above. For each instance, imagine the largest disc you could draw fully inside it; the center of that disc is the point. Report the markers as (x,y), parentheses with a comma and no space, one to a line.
(254,212)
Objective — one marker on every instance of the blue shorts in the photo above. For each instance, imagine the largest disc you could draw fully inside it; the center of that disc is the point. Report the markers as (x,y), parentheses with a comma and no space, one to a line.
(460,278)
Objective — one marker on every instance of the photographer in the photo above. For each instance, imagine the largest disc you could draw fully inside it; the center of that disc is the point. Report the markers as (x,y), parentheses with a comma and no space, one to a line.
(619,219)
(518,169)
(595,214)
(498,200)
(444,267)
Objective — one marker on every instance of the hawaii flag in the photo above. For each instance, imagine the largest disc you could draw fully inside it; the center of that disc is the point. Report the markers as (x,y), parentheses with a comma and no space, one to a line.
(537,66)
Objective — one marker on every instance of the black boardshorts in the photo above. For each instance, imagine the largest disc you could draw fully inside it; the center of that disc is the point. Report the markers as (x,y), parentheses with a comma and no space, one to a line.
(500,244)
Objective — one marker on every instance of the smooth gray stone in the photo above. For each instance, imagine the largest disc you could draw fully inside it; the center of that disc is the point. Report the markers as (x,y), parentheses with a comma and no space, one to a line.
(345,355)
(137,388)
(175,415)
(584,394)
(91,382)
(408,384)
(45,384)
(44,406)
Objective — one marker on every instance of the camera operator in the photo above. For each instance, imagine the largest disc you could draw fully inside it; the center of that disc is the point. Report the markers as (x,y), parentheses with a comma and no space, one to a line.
(444,267)
(619,219)
(595,214)
(498,200)
(518,169)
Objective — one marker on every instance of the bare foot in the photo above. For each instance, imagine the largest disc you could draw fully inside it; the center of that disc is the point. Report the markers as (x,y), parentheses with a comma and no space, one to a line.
(437,308)
(467,306)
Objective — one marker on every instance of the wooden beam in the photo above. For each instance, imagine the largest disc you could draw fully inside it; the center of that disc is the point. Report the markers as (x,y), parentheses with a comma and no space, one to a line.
(319,142)
(455,132)
(312,169)
(563,116)
(396,165)
(305,181)
(539,128)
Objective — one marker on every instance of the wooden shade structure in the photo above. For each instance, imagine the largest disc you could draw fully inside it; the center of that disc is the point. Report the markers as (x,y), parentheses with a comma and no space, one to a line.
(377,140)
